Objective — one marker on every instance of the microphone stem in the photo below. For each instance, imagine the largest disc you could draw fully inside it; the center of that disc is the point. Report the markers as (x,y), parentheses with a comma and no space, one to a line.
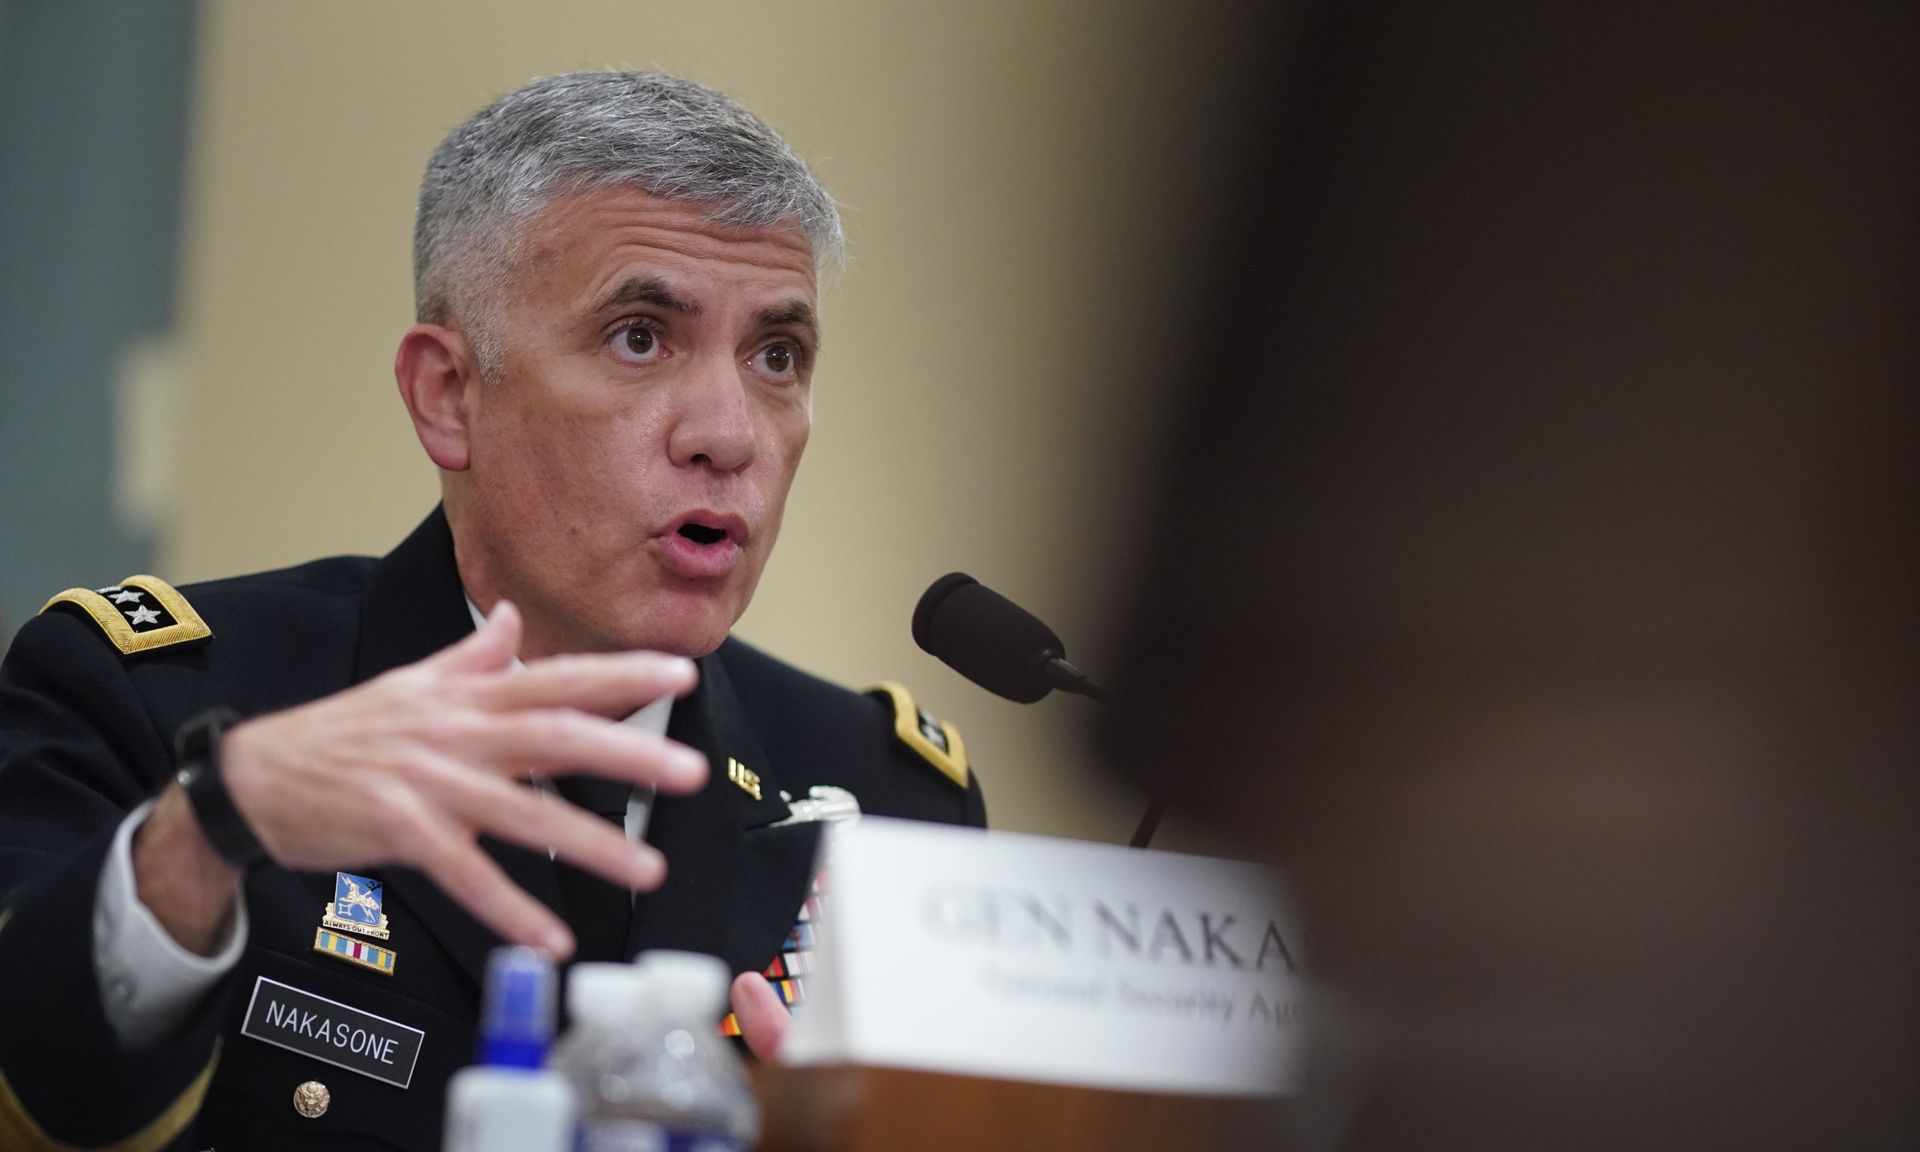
(1148,823)
(1092,691)
(1067,678)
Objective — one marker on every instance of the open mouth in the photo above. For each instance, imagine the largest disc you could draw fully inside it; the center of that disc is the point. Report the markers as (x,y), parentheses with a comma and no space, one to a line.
(705,545)
(703,533)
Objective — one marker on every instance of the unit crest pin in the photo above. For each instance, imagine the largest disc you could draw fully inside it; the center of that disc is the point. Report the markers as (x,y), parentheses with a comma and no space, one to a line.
(356,907)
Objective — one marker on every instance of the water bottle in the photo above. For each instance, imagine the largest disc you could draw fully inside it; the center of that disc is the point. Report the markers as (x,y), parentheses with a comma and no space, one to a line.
(603,1004)
(510,1101)
(650,1071)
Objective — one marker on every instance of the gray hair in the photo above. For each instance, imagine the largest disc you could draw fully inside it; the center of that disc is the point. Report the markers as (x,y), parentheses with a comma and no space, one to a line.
(586,131)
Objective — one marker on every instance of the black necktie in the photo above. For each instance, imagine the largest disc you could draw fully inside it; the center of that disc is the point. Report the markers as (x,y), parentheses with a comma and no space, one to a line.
(597,910)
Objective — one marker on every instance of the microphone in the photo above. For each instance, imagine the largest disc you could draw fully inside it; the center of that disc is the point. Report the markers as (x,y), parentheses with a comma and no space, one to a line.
(1007,650)
(994,642)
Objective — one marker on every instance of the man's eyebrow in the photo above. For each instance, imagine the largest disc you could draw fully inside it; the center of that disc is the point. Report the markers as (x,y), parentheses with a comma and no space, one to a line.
(646,290)
(796,313)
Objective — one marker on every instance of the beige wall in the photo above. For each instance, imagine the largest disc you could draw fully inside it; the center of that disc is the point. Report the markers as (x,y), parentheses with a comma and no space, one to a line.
(969,409)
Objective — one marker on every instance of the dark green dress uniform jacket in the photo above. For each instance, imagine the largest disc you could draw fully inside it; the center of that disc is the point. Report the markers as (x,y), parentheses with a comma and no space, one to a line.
(85,736)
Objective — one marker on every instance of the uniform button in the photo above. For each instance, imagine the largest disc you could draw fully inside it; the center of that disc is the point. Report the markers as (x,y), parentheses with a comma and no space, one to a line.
(311,1099)
(120,990)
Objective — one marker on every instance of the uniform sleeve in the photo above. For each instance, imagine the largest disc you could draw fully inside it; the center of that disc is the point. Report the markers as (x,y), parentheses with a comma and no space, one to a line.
(77,754)
(151,982)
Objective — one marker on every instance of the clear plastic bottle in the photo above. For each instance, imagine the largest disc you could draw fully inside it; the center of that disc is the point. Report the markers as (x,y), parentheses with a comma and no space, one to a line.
(603,1007)
(650,1071)
(510,1101)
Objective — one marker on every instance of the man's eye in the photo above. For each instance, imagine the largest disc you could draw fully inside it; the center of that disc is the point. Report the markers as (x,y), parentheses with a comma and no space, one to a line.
(637,342)
(780,359)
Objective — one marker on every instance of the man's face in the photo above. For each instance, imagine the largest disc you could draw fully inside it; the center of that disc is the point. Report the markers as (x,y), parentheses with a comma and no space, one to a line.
(629,466)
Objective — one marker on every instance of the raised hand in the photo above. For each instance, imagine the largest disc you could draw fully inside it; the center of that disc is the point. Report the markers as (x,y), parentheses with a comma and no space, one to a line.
(425,759)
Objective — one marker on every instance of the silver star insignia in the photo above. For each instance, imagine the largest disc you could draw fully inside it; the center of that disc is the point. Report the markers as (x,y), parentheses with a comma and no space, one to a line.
(126,596)
(144,616)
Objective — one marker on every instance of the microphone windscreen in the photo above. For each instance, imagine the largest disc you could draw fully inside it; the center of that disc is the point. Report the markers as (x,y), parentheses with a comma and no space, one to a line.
(986,637)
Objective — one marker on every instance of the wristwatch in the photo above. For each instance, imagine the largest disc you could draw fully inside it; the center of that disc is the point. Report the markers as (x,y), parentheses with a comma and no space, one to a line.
(196,756)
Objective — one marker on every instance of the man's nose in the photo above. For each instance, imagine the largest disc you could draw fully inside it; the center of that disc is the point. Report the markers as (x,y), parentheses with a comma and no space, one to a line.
(714,425)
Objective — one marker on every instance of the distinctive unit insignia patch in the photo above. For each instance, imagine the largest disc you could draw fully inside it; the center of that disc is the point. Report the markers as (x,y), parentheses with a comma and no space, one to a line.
(356,906)
(139,614)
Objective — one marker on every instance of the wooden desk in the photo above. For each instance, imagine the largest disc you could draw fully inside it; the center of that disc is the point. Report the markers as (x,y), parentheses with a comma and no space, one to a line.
(888,1110)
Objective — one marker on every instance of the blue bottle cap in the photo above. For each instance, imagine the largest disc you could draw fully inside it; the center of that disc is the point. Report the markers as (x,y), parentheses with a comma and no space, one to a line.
(516,1022)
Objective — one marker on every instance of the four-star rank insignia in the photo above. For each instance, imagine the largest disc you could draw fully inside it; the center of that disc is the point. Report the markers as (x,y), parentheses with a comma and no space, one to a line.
(355,907)
(139,614)
(937,741)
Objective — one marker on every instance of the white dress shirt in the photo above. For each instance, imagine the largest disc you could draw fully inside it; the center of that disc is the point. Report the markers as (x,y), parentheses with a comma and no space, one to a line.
(148,982)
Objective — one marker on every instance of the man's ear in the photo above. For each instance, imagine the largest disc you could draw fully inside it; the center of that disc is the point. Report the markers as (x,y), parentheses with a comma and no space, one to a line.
(437,374)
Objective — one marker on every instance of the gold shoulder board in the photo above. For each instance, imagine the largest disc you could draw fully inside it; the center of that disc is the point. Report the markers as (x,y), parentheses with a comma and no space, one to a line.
(139,614)
(937,741)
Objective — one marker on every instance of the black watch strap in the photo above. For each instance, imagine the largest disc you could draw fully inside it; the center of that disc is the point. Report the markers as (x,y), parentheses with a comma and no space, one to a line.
(196,758)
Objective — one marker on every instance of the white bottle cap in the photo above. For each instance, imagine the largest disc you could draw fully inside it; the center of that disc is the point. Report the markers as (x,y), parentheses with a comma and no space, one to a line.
(688,981)
(604,992)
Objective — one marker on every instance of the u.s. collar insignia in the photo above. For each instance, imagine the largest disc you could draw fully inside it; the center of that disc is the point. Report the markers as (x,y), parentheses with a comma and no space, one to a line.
(743,777)
(356,906)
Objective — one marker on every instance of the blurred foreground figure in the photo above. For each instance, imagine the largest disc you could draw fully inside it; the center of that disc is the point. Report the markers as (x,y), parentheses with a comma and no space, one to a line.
(1554,486)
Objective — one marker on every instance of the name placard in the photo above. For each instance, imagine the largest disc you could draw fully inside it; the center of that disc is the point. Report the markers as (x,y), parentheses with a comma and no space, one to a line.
(1030,958)
(328,1030)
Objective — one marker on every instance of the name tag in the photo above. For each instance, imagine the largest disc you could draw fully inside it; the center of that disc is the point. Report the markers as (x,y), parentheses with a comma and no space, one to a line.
(1058,963)
(331,1031)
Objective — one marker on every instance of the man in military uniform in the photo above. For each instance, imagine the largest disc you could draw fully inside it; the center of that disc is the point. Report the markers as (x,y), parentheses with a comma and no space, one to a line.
(257,836)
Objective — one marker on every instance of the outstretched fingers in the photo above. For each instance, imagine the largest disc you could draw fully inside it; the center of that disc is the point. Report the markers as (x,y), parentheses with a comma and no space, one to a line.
(454,862)
(443,746)
(555,741)
(608,684)
(540,820)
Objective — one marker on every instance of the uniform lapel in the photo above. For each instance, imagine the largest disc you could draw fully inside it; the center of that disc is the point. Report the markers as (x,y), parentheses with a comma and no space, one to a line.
(414,607)
(734,884)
